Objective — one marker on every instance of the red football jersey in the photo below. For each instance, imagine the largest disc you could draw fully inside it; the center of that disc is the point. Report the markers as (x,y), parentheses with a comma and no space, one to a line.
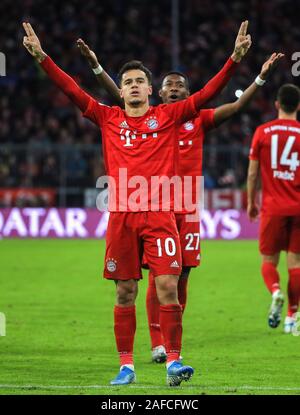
(191,138)
(145,146)
(276,145)
(141,153)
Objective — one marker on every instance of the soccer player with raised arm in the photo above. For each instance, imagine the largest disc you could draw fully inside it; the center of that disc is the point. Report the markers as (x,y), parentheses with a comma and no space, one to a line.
(191,137)
(141,143)
(275,157)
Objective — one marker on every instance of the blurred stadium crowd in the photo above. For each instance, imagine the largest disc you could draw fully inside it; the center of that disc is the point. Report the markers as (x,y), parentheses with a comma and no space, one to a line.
(45,142)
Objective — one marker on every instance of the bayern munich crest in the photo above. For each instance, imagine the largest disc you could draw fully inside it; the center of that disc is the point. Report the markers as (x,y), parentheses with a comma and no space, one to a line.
(111,265)
(188,126)
(152,123)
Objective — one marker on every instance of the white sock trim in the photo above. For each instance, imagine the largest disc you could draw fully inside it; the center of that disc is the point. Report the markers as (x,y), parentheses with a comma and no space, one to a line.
(129,367)
(170,363)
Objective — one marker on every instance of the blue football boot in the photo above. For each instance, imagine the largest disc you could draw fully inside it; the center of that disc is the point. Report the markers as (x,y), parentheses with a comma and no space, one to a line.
(124,377)
(176,373)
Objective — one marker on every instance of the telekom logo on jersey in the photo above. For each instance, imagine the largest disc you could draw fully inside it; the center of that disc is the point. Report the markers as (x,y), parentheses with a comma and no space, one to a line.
(141,193)
(127,136)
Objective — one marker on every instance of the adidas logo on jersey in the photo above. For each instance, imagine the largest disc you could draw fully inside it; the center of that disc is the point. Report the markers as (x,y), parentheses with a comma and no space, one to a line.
(174,264)
(124,124)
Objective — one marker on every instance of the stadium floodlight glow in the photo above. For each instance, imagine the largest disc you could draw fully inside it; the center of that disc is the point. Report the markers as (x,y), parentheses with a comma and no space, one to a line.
(2,64)
(238,93)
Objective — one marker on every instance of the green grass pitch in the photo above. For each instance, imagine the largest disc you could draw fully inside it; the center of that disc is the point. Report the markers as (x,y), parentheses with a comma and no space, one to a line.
(59,335)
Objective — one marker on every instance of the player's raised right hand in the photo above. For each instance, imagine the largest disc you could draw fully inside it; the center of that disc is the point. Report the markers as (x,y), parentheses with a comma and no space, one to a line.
(270,64)
(32,43)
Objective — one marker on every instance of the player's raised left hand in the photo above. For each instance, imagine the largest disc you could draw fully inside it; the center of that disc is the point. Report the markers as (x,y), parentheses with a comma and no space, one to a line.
(242,43)
(270,64)
(87,53)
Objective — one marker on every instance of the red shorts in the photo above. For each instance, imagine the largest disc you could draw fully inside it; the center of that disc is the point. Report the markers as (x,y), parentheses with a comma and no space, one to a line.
(189,234)
(279,233)
(132,234)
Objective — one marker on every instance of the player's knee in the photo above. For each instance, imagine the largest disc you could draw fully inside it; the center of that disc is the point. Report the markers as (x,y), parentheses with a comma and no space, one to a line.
(273,259)
(169,285)
(167,290)
(126,292)
(293,260)
(126,298)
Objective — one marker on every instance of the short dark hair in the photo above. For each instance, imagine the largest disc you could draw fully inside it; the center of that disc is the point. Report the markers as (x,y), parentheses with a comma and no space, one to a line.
(289,97)
(186,79)
(128,66)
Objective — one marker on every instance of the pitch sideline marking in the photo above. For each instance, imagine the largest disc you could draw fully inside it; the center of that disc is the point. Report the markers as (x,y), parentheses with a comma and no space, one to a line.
(208,388)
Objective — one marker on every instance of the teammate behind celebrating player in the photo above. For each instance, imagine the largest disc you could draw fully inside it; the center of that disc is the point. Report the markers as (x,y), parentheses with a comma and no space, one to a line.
(174,88)
(275,150)
(142,140)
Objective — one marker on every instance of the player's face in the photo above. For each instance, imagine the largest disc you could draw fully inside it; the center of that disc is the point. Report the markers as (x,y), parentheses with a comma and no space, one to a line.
(135,87)
(173,89)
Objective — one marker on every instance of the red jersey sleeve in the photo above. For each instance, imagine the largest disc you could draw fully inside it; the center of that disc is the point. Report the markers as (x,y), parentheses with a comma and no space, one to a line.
(64,82)
(207,118)
(255,146)
(97,112)
(185,110)
(91,109)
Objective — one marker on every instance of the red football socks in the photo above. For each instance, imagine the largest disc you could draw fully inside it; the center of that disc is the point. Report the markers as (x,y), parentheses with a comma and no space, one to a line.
(171,328)
(293,291)
(153,310)
(125,325)
(271,276)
